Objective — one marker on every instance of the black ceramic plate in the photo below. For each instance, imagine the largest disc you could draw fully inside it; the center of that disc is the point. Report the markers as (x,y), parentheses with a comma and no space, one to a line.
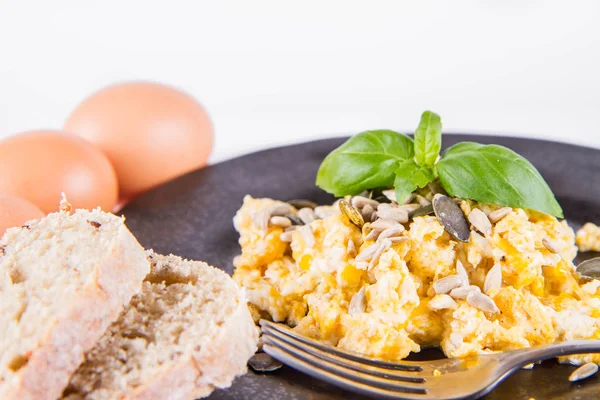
(191,216)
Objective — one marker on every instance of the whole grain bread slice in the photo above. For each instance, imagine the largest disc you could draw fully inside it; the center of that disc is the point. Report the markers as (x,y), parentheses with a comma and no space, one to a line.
(63,280)
(188,332)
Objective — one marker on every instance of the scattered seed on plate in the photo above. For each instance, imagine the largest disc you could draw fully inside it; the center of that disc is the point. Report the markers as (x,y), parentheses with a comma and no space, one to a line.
(392,231)
(420,211)
(307,215)
(262,362)
(446,284)
(482,302)
(352,213)
(589,269)
(302,203)
(280,221)
(367,253)
(583,372)
(351,248)
(384,245)
(500,213)
(480,221)
(462,272)
(358,303)
(451,217)
(551,245)
(442,302)
(360,202)
(493,279)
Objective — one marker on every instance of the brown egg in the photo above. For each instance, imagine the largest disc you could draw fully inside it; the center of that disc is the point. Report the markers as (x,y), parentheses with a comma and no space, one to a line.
(38,166)
(15,211)
(150,132)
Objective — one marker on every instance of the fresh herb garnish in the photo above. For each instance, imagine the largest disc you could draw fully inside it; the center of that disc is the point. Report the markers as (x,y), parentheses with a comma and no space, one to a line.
(487,173)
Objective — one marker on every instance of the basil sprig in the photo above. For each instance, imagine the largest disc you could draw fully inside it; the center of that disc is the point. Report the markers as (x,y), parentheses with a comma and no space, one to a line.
(487,173)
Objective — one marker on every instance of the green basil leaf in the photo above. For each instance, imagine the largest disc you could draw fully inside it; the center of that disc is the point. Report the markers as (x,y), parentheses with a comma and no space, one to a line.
(365,161)
(409,177)
(496,175)
(428,139)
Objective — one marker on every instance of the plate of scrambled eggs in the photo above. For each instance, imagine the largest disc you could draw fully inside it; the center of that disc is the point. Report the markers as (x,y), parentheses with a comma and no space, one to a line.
(393,290)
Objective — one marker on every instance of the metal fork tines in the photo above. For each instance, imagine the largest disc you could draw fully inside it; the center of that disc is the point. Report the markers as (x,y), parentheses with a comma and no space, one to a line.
(446,378)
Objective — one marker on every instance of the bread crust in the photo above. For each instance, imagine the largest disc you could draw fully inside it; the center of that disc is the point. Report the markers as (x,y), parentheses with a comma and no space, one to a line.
(213,366)
(118,277)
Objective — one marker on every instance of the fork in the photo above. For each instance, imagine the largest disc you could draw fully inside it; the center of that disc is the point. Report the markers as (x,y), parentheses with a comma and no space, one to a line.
(451,378)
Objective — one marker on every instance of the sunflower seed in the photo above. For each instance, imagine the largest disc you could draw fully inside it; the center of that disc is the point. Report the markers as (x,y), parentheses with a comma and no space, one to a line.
(483,243)
(383,224)
(390,194)
(441,302)
(352,213)
(399,239)
(374,216)
(551,245)
(308,236)
(422,200)
(367,253)
(480,221)
(385,244)
(493,279)
(361,265)
(589,269)
(351,248)
(392,231)
(261,219)
(307,215)
(451,217)
(583,372)
(367,211)
(302,203)
(360,201)
(462,272)
(373,235)
(482,302)
(421,211)
(323,212)
(393,213)
(280,221)
(500,213)
(286,236)
(280,209)
(262,362)
(461,293)
(295,220)
(445,285)
(411,207)
(358,303)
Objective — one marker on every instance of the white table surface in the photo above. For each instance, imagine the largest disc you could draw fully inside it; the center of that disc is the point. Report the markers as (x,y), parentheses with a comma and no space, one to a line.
(277,72)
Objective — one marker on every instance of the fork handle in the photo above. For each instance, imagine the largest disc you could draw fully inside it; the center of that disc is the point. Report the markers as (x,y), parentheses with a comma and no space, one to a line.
(522,357)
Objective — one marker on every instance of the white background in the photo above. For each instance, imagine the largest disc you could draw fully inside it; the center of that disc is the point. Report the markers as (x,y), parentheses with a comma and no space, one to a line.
(275,72)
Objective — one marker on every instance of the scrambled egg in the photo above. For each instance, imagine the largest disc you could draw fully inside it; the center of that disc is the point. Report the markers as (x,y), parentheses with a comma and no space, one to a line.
(310,282)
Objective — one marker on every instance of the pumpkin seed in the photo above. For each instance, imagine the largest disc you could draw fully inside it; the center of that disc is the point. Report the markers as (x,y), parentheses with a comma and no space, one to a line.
(480,221)
(589,269)
(262,362)
(451,217)
(295,220)
(392,231)
(493,279)
(551,245)
(360,202)
(583,372)
(500,213)
(442,302)
(352,213)
(358,303)
(421,211)
(482,302)
(280,221)
(303,203)
(446,284)
(307,215)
